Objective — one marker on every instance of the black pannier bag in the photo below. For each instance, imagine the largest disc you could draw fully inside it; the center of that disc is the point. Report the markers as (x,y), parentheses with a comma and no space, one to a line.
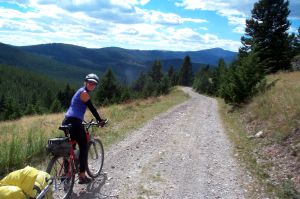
(59,146)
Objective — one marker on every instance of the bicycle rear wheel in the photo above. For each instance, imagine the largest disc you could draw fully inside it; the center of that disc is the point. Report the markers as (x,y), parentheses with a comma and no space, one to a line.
(63,174)
(95,158)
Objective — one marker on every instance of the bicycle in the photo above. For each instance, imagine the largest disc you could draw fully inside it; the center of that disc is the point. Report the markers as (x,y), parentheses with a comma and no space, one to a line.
(65,164)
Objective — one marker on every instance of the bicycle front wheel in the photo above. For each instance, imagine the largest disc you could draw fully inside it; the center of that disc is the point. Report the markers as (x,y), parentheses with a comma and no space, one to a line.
(62,171)
(95,158)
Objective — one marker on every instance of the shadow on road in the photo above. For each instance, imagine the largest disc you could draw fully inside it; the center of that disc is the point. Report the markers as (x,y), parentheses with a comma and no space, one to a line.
(93,190)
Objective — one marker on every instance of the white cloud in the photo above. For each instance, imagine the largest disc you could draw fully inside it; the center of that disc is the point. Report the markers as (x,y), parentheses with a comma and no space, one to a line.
(9,13)
(294,7)
(156,17)
(203,28)
(90,5)
(144,2)
(235,11)
(200,4)
(185,39)
(124,25)
(239,30)
(162,18)
(116,11)
(293,30)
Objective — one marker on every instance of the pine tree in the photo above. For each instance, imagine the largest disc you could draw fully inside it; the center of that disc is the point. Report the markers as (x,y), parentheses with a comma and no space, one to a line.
(139,84)
(155,72)
(126,93)
(30,110)
(109,90)
(12,109)
(220,76)
(203,81)
(153,84)
(150,88)
(165,85)
(186,75)
(55,106)
(266,35)
(2,107)
(48,99)
(242,80)
(65,96)
(173,77)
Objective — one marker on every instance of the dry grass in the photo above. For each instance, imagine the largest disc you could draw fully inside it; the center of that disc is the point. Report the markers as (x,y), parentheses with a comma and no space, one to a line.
(23,141)
(278,109)
(276,112)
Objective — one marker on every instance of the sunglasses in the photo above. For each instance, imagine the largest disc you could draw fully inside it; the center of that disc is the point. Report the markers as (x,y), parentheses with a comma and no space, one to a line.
(92,83)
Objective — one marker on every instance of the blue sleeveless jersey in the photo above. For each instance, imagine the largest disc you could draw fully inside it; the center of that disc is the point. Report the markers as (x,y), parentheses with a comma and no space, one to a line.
(77,108)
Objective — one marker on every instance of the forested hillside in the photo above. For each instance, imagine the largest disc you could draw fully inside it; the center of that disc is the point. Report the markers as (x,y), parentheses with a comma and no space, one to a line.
(26,93)
(125,66)
(11,55)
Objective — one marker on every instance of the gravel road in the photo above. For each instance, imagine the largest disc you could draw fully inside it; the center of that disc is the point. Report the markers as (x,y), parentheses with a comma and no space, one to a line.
(181,154)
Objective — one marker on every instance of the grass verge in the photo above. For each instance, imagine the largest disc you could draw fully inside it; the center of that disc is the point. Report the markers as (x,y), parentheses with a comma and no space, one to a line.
(244,147)
(274,157)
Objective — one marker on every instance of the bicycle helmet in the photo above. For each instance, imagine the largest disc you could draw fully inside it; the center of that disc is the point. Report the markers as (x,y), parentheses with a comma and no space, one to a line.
(92,77)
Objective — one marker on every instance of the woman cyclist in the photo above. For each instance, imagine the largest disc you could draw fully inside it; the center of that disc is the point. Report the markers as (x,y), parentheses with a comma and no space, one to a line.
(75,114)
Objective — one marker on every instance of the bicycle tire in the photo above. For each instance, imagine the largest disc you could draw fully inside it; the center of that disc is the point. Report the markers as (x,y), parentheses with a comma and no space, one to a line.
(62,186)
(95,158)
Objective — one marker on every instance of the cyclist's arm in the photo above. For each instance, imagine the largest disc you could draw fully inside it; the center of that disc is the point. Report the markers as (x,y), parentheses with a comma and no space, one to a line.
(93,110)
(84,96)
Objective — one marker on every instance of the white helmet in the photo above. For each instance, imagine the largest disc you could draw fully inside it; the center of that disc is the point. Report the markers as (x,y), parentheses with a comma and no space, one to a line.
(92,77)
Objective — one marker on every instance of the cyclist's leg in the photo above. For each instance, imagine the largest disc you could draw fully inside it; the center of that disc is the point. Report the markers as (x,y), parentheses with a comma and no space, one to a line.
(83,146)
(78,134)
(66,121)
(82,143)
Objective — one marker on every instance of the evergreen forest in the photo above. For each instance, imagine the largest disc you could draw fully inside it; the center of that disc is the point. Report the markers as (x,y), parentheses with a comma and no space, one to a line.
(29,93)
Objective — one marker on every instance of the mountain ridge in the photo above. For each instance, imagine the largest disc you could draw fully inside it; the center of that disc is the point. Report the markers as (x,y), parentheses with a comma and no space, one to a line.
(127,64)
(213,53)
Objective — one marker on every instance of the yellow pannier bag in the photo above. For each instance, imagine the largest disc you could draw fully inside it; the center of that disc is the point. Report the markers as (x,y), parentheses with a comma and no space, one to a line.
(41,183)
(11,192)
(24,179)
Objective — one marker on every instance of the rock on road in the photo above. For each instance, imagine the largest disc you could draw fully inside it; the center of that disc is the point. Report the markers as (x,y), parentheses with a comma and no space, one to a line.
(183,153)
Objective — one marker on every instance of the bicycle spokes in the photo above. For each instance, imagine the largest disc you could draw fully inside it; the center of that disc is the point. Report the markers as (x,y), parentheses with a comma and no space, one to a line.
(95,158)
(94,151)
(63,177)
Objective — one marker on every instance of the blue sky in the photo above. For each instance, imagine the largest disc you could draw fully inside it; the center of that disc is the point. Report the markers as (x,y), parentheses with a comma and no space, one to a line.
(178,25)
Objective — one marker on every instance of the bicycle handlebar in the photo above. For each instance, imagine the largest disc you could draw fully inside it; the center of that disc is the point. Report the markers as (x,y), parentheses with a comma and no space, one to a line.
(87,125)
(93,123)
